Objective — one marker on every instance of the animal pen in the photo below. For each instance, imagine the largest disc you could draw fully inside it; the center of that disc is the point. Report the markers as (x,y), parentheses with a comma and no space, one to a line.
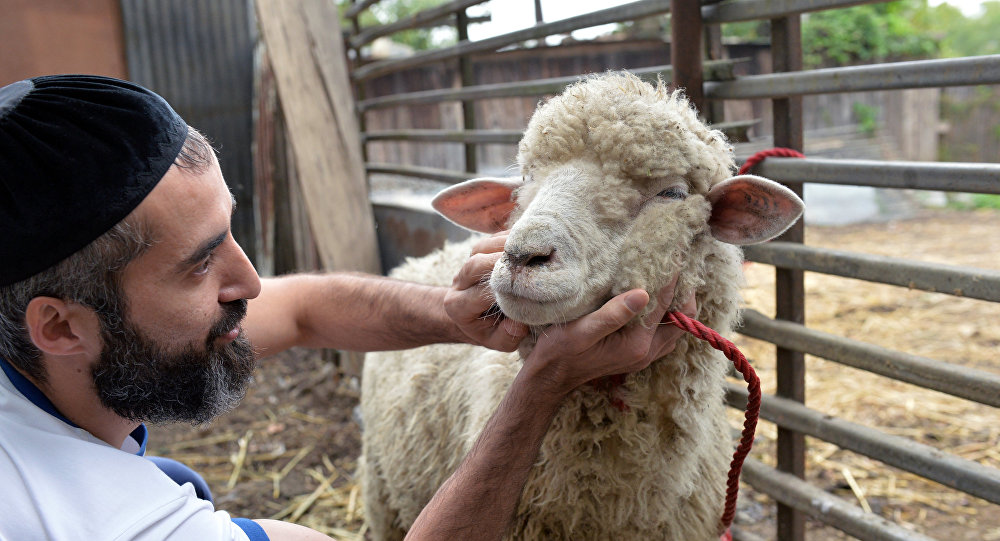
(697,64)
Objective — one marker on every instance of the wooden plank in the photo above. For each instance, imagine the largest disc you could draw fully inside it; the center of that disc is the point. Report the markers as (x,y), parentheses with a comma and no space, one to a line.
(266,103)
(310,68)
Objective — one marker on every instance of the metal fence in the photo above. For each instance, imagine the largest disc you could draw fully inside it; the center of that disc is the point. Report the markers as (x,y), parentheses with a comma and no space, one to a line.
(709,82)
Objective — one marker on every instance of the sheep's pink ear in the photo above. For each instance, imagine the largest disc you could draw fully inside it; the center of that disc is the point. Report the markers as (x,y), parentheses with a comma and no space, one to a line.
(480,204)
(748,209)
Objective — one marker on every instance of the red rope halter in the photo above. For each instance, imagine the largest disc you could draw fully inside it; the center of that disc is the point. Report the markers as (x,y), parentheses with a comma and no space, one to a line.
(779,152)
(740,362)
(716,340)
(753,403)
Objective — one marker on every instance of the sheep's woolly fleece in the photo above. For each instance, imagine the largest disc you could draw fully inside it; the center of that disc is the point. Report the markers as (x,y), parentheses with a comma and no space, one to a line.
(654,471)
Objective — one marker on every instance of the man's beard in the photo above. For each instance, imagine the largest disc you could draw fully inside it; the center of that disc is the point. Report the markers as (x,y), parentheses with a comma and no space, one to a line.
(141,380)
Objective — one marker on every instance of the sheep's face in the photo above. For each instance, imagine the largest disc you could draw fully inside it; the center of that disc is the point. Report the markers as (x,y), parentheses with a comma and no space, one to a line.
(617,185)
(578,239)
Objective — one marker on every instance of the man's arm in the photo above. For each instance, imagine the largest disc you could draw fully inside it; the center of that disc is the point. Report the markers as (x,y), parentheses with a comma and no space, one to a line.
(346,311)
(361,312)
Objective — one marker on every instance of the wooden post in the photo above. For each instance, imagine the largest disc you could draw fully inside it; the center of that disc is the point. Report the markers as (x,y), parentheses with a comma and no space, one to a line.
(303,39)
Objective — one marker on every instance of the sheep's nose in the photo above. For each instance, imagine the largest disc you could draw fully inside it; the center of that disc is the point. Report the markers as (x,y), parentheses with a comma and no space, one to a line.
(518,260)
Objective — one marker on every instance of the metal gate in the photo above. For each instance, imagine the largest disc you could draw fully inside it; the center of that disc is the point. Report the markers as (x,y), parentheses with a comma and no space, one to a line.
(697,66)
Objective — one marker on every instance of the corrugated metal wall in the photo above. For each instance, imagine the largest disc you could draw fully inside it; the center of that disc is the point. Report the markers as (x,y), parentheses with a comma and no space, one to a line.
(199,56)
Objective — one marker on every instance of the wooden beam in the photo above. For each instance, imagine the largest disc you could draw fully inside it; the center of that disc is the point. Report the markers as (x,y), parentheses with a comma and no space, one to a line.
(310,68)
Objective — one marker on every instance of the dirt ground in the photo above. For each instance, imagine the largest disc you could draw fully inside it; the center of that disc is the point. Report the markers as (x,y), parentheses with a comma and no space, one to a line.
(289,450)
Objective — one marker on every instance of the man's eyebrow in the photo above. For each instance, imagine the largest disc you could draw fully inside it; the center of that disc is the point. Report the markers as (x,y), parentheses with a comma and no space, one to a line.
(203,251)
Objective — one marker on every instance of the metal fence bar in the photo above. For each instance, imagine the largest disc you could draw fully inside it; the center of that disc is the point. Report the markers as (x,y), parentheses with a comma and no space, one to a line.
(741,535)
(750,10)
(446,136)
(949,470)
(429,173)
(948,177)
(731,129)
(955,380)
(355,9)
(977,70)
(420,19)
(823,506)
(716,70)
(982,284)
(635,10)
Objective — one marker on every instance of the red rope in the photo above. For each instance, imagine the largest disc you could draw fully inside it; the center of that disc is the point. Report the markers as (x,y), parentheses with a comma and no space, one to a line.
(778,152)
(698,329)
(753,403)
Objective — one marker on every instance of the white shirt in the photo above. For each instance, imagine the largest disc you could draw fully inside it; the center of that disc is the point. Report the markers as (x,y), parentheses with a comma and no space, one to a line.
(59,482)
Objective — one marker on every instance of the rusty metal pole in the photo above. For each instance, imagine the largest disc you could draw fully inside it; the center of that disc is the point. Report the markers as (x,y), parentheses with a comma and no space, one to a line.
(786,52)
(359,86)
(686,50)
(715,109)
(468,79)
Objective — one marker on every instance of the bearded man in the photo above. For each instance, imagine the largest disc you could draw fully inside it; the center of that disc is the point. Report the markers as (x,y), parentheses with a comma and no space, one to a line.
(124,299)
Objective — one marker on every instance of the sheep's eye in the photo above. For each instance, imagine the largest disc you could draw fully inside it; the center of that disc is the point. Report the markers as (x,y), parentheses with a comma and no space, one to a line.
(673,193)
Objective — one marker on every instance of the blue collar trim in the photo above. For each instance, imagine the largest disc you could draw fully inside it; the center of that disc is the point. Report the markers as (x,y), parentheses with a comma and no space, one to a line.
(38,398)
(28,389)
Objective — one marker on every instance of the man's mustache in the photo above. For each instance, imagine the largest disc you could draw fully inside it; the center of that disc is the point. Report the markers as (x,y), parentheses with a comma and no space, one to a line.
(233,313)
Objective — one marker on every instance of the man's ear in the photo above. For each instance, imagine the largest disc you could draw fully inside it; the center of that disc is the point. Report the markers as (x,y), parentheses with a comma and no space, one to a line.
(480,204)
(748,209)
(59,327)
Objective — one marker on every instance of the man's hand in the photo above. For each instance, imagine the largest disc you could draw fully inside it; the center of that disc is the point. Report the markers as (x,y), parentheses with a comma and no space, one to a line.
(470,303)
(599,344)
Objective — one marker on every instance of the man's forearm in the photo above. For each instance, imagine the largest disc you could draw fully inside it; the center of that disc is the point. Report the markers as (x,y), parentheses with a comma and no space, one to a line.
(478,501)
(356,312)
(383,313)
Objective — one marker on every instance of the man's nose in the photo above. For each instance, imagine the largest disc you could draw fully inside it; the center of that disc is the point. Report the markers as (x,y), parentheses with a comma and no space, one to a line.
(241,280)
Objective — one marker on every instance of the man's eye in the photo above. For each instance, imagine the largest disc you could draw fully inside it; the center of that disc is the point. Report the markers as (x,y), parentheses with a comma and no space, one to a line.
(203,268)
(673,193)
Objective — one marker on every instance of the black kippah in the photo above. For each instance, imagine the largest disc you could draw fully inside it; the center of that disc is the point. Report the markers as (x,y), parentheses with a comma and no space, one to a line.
(77,154)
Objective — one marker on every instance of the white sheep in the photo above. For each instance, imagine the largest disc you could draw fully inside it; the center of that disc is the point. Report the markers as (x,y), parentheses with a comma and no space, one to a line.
(622,187)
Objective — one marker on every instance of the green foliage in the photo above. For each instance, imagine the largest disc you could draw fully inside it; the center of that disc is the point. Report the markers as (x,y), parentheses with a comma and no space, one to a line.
(389,11)
(866,34)
(973,201)
(748,31)
(867,117)
(972,36)
(985,200)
